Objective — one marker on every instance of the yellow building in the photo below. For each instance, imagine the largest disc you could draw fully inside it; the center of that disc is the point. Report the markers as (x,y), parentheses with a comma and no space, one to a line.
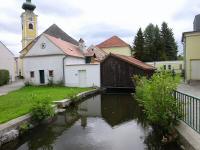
(191,43)
(115,45)
(29,29)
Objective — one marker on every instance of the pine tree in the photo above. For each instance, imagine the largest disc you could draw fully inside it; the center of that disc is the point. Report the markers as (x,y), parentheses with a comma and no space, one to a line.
(149,47)
(169,44)
(158,44)
(138,45)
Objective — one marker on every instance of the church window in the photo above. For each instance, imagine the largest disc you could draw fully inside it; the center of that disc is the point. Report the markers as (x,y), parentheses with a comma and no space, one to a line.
(30,26)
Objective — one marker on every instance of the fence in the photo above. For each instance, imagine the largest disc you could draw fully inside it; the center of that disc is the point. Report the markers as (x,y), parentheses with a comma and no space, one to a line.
(189,107)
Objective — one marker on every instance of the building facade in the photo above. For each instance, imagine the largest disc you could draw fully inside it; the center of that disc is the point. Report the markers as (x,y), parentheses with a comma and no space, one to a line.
(45,61)
(8,61)
(191,44)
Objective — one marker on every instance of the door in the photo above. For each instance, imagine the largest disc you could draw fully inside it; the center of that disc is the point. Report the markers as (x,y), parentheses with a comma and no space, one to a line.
(42,79)
(195,69)
(82,78)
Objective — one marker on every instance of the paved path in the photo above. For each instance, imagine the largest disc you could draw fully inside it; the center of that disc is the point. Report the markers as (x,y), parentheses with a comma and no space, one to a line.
(193,90)
(11,87)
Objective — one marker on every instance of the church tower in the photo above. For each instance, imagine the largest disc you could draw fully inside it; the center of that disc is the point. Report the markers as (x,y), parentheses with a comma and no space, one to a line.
(29,23)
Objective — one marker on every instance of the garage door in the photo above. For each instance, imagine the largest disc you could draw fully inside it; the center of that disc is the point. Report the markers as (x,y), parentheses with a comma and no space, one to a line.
(195,70)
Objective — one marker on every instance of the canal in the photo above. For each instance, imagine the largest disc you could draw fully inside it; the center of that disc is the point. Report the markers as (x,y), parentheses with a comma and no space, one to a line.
(101,122)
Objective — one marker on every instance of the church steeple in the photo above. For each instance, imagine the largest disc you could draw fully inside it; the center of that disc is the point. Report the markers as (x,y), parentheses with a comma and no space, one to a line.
(28,5)
(29,23)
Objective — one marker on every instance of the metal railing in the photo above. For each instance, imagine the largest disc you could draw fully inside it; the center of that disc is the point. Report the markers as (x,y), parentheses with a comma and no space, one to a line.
(189,108)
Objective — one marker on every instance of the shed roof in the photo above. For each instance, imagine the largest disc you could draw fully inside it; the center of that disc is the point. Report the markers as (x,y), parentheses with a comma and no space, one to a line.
(114,41)
(68,48)
(132,61)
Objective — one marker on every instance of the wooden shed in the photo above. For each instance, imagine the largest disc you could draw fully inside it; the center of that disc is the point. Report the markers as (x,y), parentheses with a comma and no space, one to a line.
(117,71)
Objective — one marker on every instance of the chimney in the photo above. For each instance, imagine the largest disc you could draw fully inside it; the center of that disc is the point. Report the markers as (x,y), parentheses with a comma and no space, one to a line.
(196,23)
(82,46)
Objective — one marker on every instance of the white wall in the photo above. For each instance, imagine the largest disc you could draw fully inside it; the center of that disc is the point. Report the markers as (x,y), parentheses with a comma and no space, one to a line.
(92,75)
(50,48)
(47,63)
(7,61)
(74,60)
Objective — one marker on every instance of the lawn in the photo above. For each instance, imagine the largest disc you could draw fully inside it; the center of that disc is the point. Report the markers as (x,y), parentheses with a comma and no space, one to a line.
(19,102)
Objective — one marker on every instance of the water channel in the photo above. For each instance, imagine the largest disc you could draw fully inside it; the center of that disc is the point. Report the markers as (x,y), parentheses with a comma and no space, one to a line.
(101,122)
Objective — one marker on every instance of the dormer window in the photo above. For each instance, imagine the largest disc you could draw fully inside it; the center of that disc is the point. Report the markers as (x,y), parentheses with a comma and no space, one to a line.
(30,26)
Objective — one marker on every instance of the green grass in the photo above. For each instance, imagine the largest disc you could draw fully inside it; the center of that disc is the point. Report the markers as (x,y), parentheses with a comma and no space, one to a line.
(19,102)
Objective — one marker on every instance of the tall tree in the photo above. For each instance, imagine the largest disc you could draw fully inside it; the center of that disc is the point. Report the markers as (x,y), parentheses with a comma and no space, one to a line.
(158,53)
(169,44)
(138,45)
(149,38)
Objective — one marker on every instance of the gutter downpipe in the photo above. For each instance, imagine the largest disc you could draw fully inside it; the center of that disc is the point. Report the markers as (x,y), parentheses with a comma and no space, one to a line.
(64,69)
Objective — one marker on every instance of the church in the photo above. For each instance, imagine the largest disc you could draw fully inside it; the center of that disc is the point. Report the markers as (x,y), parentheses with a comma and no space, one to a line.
(53,56)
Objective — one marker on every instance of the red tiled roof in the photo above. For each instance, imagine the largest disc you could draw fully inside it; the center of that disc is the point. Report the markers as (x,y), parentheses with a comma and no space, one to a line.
(133,61)
(114,41)
(68,48)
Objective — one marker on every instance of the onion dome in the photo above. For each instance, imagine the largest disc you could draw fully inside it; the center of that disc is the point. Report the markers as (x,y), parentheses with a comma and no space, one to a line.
(28,5)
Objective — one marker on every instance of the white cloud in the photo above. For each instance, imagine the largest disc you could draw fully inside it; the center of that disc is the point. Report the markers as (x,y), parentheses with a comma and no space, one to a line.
(117,16)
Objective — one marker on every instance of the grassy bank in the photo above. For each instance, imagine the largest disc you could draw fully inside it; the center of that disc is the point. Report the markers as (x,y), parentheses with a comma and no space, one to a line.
(19,102)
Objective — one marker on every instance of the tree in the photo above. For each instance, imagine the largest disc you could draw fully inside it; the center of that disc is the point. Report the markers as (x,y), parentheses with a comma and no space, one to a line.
(169,44)
(139,45)
(149,37)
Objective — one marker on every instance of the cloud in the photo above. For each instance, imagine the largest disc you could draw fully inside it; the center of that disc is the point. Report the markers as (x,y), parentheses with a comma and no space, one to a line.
(94,33)
(188,11)
(60,8)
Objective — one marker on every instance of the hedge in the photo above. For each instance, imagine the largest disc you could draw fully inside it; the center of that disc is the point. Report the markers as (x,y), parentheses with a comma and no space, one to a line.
(4,77)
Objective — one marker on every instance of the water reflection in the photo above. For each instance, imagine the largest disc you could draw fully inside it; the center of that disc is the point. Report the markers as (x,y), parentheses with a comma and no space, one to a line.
(102,122)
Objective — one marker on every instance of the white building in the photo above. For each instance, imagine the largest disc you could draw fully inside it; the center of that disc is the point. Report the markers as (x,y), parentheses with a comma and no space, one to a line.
(176,65)
(51,59)
(8,61)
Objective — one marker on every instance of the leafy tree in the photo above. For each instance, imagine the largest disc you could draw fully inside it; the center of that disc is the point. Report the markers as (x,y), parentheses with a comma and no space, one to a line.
(139,45)
(169,44)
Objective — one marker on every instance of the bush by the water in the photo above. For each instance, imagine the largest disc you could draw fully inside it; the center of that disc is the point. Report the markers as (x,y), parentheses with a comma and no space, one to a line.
(156,97)
(4,77)
(41,110)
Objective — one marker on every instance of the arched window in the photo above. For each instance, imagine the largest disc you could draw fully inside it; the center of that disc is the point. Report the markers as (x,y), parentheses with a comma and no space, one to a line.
(30,26)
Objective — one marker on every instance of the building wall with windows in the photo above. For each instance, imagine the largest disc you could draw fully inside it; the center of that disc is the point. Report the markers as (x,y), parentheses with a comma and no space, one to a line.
(177,66)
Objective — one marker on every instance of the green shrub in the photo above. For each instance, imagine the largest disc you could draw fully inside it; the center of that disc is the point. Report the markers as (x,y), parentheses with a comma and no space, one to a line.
(41,110)
(156,97)
(4,77)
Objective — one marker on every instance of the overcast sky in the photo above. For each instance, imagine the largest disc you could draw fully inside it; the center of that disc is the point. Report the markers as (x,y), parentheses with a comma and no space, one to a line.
(97,20)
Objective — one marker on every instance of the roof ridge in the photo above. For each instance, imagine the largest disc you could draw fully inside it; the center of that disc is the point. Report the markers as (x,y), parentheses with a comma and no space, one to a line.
(113,41)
